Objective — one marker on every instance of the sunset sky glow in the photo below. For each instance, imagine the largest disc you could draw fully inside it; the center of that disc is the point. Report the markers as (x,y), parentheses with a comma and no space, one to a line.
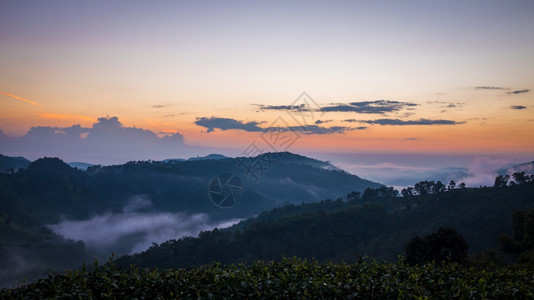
(453,77)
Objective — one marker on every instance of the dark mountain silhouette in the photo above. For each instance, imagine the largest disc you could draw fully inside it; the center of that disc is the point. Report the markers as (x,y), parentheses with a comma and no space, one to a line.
(209,156)
(52,186)
(80,165)
(9,163)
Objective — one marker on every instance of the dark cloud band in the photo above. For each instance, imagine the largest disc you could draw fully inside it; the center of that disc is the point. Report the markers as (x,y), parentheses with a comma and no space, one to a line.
(398,122)
(363,107)
(213,123)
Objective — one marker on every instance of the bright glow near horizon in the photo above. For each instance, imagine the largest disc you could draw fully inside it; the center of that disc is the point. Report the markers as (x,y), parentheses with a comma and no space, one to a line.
(162,65)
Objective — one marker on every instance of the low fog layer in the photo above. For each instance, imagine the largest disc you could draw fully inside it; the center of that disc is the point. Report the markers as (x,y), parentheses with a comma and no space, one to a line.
(475,172)
(135,229)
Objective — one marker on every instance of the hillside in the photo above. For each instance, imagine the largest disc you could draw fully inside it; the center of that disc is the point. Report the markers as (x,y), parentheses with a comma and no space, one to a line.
(50,187)
(143,202)
(345,231)
(8,163)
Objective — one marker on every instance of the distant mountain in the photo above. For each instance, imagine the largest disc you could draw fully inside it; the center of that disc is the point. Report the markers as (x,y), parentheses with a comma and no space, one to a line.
(80,165)
(209,156)
(271,180)
(8,162)
(170,160)
(527,167)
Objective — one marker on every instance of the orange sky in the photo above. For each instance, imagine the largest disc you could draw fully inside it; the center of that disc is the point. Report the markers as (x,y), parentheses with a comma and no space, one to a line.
(182,61)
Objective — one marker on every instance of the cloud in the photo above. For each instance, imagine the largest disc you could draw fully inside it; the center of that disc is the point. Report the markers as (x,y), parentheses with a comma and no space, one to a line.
(213,123)
(518,107)
(363,107)
(483,170)
(158,106)
(107,141)
(300,107)
(369,107)
(398,122)
(20,98)
(135,228)
(519,92)
(490,88)
(318,122)
(314,129)
(516,92)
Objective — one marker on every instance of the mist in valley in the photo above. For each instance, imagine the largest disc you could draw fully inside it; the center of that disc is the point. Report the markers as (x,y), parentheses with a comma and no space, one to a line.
(136,228)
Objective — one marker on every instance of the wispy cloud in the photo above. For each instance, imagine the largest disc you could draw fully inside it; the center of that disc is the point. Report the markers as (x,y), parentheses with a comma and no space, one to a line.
(518,107)
(21,99)
(314,129)
(398,122)
(490,88)
(516,92)
(519,92)
(300,107)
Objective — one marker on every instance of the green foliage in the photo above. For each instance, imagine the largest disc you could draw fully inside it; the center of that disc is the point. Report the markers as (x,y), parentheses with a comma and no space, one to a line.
(285,279)
(487,259)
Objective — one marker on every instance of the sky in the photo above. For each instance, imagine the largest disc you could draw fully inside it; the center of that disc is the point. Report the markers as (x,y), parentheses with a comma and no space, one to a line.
(348,80)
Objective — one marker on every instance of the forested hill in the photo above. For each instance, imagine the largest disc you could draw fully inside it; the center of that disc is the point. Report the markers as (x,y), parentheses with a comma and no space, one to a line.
(48,191)
(50,188)
(378,224)
(11,164)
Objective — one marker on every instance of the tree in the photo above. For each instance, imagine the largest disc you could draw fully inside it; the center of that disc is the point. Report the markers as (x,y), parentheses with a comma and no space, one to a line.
(520,178)
(353,196)
(501,181)
(438,187)
(443,245)
(452,185)
(522,241)
(407,192)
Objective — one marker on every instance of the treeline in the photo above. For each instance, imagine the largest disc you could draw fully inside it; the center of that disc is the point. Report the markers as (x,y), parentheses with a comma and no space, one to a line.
(518,178)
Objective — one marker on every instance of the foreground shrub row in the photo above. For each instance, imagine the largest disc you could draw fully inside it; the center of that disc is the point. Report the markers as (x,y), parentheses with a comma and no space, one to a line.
(287,279)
